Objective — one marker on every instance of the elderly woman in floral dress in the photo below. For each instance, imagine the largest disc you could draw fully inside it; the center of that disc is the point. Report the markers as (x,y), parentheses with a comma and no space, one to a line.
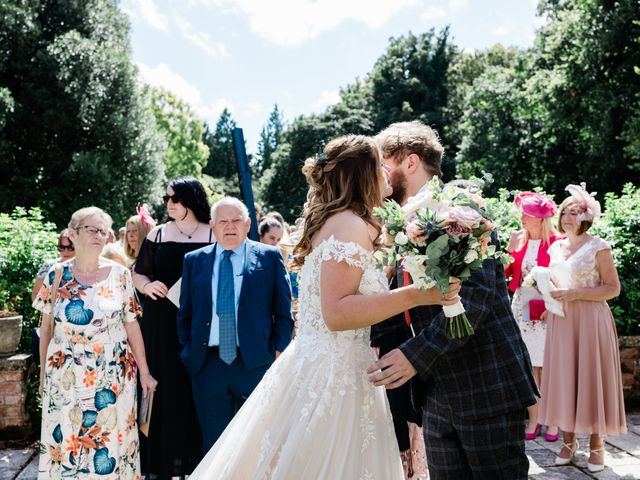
(92,350)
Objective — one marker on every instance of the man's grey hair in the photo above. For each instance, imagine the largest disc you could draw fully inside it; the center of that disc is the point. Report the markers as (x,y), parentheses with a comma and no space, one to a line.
(230,202)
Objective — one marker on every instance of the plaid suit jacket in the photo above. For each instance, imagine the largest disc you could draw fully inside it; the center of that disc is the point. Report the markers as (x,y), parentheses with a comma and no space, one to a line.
(486,374)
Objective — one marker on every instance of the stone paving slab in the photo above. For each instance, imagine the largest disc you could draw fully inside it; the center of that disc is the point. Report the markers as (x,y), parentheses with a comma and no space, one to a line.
(31,470)
(628,442)
(13,461)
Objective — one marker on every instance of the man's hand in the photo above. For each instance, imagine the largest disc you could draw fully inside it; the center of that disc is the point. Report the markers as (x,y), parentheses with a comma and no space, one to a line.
(393,370)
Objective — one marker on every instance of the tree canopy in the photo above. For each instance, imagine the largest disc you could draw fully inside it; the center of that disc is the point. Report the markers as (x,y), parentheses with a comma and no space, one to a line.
(75,127)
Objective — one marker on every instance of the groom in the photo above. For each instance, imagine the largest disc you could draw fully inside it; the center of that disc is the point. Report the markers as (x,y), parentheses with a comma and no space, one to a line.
(477,387)
(234,317)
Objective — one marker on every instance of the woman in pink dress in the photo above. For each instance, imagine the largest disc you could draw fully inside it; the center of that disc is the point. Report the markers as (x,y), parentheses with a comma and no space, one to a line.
(582,382)
(529,248)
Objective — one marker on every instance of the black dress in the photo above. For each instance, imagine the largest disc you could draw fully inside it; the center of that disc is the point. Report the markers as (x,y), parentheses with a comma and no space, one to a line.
(174,445)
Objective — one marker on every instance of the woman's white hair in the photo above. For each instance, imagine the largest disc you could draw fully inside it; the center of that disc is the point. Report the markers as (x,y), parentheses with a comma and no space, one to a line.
(230,202)
(79,216)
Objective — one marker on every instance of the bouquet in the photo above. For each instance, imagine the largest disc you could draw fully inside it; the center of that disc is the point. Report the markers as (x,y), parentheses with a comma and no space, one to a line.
(540,279)
(442,232)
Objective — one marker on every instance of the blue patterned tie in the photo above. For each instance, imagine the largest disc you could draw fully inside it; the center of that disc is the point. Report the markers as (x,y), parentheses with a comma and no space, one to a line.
(226,309)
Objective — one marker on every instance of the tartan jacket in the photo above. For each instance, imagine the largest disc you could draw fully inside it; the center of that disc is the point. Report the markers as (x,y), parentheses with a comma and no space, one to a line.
(486,374)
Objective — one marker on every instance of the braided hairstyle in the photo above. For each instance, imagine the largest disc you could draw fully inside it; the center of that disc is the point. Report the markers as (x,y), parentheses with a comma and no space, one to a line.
(347,176)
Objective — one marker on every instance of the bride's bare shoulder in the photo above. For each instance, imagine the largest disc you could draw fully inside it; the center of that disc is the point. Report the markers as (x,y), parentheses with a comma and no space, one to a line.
(346,227)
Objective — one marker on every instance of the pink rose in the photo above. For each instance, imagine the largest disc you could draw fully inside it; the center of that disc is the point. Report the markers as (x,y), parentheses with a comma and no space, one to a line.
(466,217)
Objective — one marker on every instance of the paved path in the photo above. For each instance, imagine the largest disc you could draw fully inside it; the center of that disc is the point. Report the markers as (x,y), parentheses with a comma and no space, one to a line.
(623,459)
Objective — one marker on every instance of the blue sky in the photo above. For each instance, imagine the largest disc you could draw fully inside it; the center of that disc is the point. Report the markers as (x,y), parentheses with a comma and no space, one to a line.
(247,55)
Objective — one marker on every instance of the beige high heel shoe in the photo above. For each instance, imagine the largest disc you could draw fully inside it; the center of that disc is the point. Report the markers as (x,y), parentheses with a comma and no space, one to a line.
(566,461)
(596,467)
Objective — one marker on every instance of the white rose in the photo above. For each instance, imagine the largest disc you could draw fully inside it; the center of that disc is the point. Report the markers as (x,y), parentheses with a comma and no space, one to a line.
(401,238)
(471,256)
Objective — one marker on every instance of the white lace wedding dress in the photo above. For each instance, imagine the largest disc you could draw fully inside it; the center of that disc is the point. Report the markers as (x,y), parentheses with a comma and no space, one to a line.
(314,415)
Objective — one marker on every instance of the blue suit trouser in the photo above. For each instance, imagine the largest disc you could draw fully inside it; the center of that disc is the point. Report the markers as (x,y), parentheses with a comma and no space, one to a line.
(219,390)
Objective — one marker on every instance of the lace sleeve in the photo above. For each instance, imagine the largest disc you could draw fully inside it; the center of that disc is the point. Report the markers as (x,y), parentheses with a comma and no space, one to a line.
(350,252)
(600,244)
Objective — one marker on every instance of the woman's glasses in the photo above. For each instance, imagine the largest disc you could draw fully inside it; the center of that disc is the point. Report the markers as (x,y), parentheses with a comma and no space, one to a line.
(63,248)
(96,232)
(174,198)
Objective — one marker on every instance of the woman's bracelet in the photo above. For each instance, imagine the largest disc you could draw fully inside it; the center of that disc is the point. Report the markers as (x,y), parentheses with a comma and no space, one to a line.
(145,285)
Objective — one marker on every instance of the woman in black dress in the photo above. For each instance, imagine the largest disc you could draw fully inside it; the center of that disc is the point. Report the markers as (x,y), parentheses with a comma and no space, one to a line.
(174,445)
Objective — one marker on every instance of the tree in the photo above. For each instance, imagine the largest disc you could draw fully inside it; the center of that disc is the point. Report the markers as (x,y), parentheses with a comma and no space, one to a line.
(221,162)
(270,138)
(283,186)
(409,82)
(588,91)
(79,131)
(186,153)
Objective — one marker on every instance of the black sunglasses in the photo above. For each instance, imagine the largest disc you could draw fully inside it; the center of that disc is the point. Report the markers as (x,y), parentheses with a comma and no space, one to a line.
(62,248)
(174,198)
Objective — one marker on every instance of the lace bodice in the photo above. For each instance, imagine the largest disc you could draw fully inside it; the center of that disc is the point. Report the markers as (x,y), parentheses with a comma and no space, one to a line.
(311,322)
(578,270)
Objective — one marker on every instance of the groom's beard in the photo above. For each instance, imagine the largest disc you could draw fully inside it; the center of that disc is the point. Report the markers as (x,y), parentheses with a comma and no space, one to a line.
(398,181)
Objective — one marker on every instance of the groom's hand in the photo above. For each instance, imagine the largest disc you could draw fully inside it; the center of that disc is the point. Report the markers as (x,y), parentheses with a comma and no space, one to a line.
(392,370)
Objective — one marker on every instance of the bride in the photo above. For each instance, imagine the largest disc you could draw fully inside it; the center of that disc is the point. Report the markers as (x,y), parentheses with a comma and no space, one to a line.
(315,415)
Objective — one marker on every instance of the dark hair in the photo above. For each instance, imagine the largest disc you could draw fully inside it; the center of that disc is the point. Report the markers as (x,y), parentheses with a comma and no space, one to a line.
(277,215)
(192,196)
(267,224)
(64,234)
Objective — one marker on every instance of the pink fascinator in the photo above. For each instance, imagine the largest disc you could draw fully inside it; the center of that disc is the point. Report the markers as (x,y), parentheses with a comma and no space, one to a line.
(145,216)
(535,205)
(590,206)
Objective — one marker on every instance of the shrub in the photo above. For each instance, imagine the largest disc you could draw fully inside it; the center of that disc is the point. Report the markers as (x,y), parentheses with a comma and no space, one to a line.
(620,226)
(26,241)
(504,214)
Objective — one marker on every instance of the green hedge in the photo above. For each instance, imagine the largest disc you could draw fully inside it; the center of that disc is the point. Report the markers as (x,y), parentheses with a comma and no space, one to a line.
(26,241)
(620,226)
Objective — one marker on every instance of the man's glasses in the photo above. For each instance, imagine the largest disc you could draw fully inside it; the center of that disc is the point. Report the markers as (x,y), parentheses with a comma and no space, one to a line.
(96,232)
(68,248)
(174,198)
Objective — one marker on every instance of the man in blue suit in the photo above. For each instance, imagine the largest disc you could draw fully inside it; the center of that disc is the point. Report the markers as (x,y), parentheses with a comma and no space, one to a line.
(234,318)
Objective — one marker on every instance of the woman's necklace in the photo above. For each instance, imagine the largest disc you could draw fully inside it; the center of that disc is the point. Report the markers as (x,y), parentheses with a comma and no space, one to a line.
(88,275)
(188,235)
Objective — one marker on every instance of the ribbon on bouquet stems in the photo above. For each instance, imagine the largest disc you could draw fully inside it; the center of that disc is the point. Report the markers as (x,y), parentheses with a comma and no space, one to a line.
(458,325)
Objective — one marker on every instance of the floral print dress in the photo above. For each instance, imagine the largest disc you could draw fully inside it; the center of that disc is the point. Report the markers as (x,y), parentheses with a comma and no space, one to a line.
(89,428)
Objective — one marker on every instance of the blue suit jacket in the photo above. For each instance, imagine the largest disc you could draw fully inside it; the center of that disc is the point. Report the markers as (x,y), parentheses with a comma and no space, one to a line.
(264,323)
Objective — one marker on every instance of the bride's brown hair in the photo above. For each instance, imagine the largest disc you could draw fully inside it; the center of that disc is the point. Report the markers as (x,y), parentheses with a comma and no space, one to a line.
(345,177)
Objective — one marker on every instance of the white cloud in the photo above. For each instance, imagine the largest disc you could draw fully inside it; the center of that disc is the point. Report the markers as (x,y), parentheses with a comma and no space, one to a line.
(202,40)
(162,76)
(457,5)
(431,14)
(149,12)
(500,31)
(254,109)
(292,22)
(326,98)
